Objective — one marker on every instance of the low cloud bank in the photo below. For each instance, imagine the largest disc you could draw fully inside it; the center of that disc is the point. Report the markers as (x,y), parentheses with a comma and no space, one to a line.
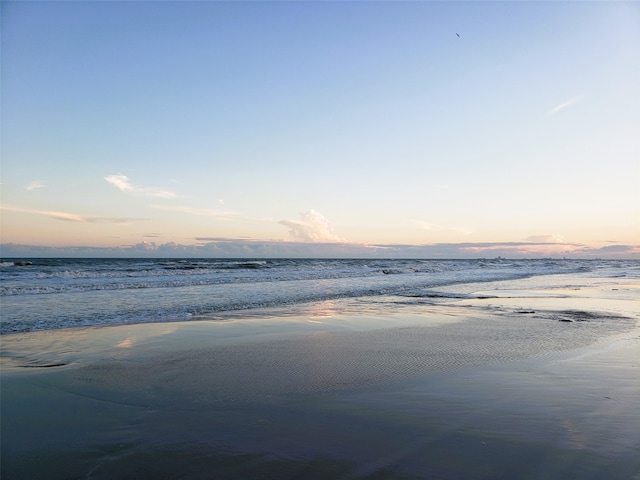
(247,248)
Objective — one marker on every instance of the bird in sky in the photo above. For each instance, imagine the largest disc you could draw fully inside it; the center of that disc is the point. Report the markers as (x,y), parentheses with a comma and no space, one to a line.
(458,35)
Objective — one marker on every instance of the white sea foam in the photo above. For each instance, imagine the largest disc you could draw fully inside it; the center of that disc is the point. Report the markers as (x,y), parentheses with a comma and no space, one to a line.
(58,293)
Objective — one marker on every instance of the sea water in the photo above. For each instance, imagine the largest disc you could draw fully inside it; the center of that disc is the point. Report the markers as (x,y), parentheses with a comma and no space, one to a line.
(45,294)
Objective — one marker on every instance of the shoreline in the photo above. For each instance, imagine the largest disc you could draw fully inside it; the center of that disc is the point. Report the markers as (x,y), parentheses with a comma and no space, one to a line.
(491,387)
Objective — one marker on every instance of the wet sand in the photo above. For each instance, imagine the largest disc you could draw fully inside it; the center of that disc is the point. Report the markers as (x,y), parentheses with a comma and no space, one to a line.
(529,379)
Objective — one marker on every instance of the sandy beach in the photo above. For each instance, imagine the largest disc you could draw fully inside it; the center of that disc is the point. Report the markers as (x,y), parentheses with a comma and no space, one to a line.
(531,379)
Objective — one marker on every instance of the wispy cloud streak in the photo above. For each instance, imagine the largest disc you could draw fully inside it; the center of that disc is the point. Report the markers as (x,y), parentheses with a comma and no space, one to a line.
(200,212)
(122,183)
(66,216)
(563,105)
(35,185)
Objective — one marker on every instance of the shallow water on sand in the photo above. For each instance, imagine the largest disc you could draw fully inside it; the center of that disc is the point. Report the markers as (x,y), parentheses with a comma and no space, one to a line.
(550,417)
(526,379)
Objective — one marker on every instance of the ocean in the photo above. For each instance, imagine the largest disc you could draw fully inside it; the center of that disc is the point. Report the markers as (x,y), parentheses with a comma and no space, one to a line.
(48,294)
(293,368)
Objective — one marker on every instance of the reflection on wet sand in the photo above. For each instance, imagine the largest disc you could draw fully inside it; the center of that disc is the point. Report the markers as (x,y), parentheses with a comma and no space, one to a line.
(472,388)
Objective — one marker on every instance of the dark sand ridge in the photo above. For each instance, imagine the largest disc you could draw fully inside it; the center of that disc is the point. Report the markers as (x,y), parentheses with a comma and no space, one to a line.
(501,387)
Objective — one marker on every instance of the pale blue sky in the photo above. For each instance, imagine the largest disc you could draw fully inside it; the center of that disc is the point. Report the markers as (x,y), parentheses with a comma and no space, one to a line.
(349,122)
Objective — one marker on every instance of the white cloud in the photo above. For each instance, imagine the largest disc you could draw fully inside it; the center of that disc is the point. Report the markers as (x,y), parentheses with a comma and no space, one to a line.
(563,105)
(122,183)
(312,227)
(35,185)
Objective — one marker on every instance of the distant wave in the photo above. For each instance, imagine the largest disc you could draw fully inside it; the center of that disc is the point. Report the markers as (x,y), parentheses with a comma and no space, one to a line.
(59,293)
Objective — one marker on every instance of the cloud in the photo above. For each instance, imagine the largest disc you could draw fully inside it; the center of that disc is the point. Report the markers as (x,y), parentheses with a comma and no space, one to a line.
(312,227)
(234,239)
(526,249)
(66,216)
(563,105)
(545,239)
(622,250)
(202,212)
(122,183)
(35,185)
(432,227)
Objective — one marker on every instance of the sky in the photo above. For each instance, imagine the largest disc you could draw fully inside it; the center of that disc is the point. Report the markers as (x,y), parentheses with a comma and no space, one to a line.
(334,129)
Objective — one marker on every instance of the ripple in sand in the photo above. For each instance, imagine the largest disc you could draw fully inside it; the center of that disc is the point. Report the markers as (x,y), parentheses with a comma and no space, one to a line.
(323,362)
